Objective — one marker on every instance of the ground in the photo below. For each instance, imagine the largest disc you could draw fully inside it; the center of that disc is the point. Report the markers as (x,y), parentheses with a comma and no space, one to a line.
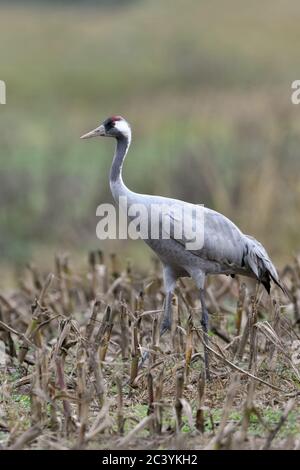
(71,344)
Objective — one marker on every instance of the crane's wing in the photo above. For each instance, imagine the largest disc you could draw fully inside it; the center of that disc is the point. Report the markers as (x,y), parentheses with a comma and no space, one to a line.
(223,243)
(205,233)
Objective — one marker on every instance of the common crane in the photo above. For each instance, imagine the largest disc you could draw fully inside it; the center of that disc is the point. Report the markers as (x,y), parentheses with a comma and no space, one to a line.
(225,249)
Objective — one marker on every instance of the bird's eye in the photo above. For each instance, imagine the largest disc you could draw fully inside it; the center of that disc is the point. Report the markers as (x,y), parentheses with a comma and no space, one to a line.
(110,125)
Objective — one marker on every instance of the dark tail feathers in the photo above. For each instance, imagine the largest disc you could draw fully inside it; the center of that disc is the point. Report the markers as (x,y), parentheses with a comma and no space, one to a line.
(260,264)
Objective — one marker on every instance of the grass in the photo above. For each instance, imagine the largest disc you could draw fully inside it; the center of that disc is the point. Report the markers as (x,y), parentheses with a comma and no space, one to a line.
(270,416)
(21,402)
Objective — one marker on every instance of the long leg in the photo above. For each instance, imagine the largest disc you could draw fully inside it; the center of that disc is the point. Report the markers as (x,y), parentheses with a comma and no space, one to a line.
(199,277)
(204,323)
(169,282)
(167,315)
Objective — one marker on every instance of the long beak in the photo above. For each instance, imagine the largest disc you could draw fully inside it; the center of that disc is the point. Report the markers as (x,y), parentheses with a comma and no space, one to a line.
(94,133)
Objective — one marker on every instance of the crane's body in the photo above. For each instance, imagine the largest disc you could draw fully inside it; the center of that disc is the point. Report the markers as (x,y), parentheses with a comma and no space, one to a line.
(225,249)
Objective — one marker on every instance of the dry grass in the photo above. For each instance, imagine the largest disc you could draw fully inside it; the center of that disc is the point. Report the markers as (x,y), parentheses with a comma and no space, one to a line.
(70,374)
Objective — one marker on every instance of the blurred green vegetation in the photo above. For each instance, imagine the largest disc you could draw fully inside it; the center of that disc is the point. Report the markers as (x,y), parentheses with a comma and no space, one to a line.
(206,87)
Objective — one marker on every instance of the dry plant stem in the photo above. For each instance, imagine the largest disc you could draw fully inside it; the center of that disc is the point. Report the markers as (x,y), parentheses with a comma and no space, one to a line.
(36,278)
(155,340)
(45,287)
(120,405)
(96,369)
(104,425)
(39,395)
(188,346)
(61,383)
(185,295)
(31,332)
(92,263)
(201,396)
(215,306)
(204,323)
(221,334)
(150,410)
(26,438)
(242,371)
(114,266)
(135,354)
(243,340)
(53,422)
(295,291)
(102,278)
(62,277)
(10,349)
(253,336)
(289,407)
(178,403)
(269,333)
(23,381)
(99,273)
(158,409)
(124,333)
(105,340)
(181,345)
(138,313)
(240,308)
(82,395)
(276,325)
(134,432)
(248,409)
(78,367)
(91,324)
(103,326)
(216,442)
(21,335)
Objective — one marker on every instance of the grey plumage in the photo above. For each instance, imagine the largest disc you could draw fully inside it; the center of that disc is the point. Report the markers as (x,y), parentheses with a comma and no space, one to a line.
(226,250)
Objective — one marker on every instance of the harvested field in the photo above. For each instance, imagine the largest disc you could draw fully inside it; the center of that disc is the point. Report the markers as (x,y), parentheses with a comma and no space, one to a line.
(71,344)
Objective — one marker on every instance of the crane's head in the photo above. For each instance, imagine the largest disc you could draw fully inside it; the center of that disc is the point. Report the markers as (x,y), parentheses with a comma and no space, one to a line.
(115,126)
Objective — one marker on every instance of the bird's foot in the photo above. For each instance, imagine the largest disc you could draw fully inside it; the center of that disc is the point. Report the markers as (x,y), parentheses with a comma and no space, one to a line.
(163,330)
(165,326)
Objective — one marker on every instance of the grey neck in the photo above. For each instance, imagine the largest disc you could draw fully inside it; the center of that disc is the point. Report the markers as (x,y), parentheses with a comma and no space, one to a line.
(117,185)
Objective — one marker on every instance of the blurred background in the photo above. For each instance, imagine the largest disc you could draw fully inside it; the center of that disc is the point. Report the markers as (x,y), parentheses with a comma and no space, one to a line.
(206,87)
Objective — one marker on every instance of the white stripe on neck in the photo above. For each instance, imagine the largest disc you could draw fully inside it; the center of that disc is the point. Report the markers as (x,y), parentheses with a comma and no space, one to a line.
(124,128)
